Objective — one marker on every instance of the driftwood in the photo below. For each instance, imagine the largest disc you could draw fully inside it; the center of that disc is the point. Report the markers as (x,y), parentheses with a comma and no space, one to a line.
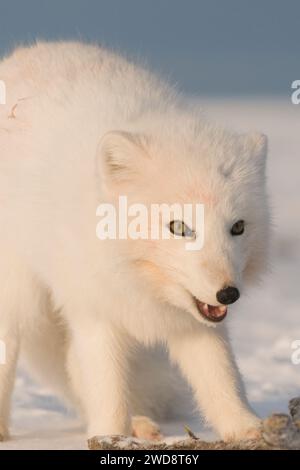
(279,431)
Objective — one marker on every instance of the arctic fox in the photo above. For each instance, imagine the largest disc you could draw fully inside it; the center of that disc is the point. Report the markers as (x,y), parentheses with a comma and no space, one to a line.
(82,126)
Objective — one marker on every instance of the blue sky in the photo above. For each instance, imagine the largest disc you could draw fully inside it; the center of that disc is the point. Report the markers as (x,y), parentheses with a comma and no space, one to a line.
(206,46)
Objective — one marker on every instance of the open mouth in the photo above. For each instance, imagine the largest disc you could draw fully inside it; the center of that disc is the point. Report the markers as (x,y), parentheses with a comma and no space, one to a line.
(211,313)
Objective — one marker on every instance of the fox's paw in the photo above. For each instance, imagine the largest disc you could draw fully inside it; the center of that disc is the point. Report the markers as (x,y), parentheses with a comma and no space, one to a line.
(144,428)
(4,434)
(245,430)
(253,433)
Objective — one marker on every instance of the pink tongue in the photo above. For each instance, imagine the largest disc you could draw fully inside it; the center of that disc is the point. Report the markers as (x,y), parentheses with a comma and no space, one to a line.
(216,311)
(212,312)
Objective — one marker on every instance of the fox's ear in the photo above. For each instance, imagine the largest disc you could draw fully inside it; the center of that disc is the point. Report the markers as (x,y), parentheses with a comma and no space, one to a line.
(121,156)
(257,144)
(253,152)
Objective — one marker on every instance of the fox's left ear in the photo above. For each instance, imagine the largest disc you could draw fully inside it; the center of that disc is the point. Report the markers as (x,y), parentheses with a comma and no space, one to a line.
(253,151)
(121,157)
(258,144)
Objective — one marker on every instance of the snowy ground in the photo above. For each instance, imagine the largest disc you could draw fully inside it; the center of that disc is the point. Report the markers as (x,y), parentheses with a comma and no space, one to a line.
(265,324)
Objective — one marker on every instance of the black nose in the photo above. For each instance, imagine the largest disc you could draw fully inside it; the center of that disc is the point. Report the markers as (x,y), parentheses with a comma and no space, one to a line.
(228,295)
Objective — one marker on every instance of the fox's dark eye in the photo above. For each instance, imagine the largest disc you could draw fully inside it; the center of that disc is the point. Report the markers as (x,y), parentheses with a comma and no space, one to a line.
(178,227)
(238,228)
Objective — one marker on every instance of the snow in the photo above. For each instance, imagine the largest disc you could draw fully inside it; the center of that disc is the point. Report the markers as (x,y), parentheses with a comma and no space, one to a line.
(263,326)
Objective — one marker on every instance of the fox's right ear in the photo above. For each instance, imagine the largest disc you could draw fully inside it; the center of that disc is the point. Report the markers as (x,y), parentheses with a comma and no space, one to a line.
(121,157)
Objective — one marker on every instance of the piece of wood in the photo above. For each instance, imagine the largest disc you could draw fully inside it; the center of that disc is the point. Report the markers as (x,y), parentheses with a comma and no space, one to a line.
(126,443)
(279,431)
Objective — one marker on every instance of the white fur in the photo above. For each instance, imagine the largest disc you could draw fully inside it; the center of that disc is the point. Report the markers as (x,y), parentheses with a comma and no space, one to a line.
(81,126)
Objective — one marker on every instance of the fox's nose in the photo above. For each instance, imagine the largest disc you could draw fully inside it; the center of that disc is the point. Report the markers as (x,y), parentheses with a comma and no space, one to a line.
(228,295)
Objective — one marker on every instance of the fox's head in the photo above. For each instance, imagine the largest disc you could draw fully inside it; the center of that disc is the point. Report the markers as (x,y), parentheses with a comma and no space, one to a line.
(186,161)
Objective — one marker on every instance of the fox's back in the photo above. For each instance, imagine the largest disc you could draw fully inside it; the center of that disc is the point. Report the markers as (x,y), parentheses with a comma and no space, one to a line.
(60,99)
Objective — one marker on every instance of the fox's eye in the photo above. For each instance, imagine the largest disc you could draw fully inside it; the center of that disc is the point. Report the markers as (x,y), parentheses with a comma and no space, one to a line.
(238,228)
(178,227)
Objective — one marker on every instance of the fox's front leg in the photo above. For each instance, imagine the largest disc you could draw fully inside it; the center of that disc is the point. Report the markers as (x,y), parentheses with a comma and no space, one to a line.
(9,349)
(206,361)
(100,364)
